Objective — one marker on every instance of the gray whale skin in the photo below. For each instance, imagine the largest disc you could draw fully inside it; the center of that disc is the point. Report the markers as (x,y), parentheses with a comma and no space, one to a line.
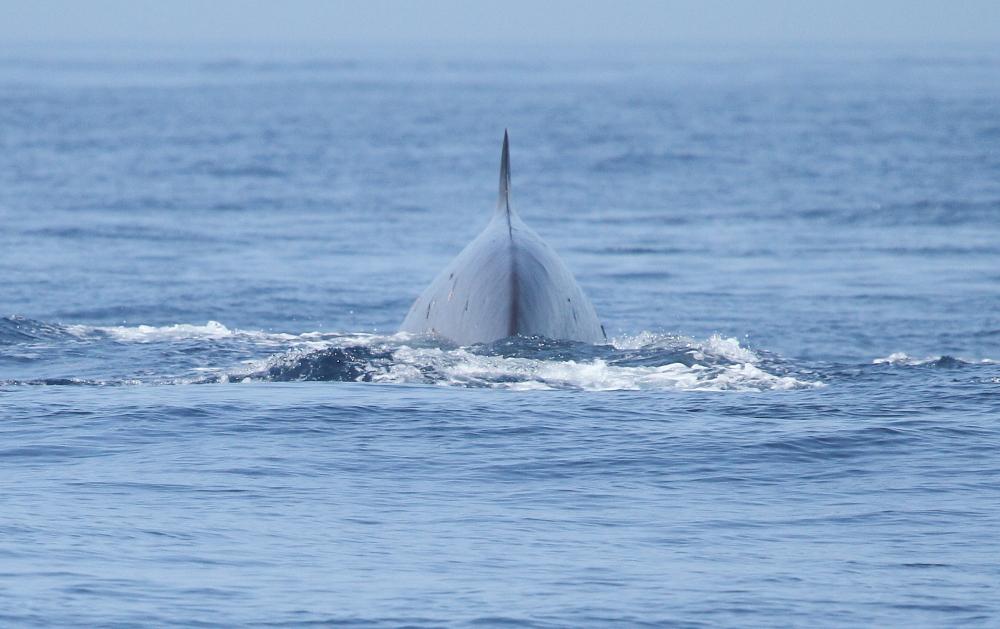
(506,282)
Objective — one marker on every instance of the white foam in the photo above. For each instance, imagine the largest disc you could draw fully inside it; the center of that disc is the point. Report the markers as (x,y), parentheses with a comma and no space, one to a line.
(717,345)
(210,330)
(897,358)
(730,349)
(739,370)
(150,333)
(647,340)
(462,368)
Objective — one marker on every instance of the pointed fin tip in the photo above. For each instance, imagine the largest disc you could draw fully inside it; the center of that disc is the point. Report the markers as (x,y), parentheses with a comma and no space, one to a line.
(503,202)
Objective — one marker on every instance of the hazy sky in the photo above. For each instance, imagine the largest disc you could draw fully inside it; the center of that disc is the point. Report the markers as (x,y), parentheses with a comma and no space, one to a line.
(495,22)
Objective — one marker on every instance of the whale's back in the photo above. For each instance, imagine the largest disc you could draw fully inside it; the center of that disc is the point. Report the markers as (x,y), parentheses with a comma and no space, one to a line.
(506,282)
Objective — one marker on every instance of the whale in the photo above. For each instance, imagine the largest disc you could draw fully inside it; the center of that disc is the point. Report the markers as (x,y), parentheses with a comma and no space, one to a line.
(506,282)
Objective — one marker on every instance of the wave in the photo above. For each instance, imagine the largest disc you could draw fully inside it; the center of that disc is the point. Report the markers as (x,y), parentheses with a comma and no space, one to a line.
(152,334)
(16,329)
(185,353)
(645,361)
(215,353)
(211,330)
(945,361)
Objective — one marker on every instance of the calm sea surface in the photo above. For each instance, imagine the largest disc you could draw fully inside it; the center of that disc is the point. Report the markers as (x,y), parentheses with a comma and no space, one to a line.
(206,417)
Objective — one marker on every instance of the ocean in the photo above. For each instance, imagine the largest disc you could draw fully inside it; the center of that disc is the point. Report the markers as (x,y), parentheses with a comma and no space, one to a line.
(209,419)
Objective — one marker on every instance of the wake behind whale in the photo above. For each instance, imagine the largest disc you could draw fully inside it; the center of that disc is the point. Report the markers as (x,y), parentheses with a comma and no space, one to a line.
(506,282)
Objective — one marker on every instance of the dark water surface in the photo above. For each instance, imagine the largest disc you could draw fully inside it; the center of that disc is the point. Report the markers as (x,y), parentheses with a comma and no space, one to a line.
(207,418)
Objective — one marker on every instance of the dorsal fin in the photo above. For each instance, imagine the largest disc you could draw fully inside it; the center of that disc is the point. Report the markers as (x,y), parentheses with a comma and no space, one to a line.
(503,201)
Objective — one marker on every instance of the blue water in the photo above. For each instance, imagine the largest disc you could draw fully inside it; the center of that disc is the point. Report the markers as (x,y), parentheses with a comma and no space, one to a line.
(208,419)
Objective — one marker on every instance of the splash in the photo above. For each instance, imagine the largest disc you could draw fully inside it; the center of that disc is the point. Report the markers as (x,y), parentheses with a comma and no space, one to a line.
(214,353)
(656,362)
